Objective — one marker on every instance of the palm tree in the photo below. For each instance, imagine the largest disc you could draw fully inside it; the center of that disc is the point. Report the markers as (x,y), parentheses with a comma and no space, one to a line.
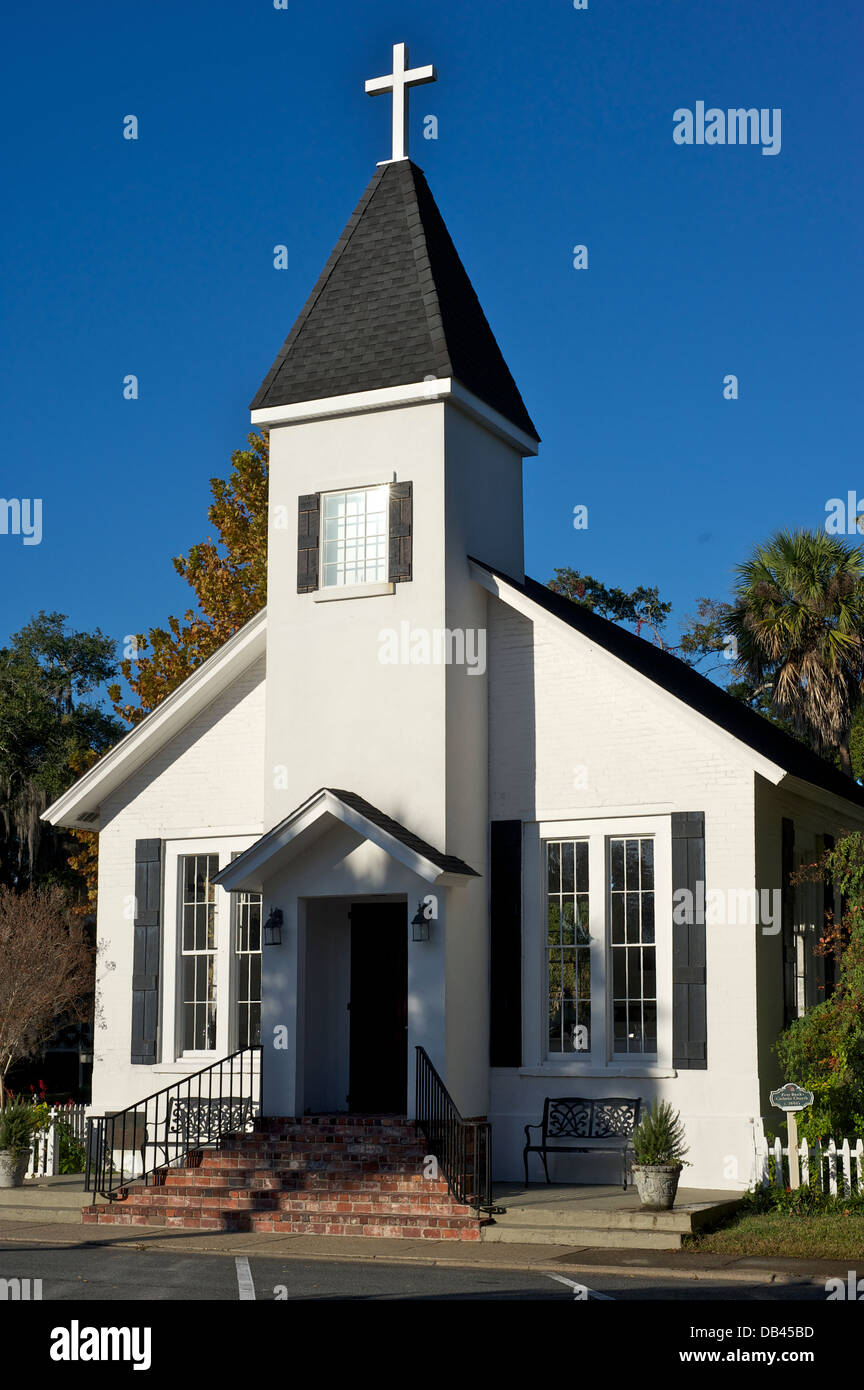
(798,620)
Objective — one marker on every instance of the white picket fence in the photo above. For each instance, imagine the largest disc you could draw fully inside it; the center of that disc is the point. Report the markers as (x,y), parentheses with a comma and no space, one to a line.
(832,1168)
(45,1154)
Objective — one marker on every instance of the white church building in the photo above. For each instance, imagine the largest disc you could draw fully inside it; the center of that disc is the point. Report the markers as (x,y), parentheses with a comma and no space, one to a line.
(475,817)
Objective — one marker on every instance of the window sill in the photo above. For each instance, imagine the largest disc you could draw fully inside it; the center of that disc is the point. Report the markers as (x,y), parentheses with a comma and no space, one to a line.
(189,1063)
(591,1071)
(352,591)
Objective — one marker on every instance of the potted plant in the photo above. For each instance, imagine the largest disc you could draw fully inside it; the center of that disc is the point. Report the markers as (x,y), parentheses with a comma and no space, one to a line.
(19,1121)
(658,1154)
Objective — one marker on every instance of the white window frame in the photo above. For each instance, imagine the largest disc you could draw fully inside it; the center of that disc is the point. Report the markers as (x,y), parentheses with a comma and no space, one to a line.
(172,1053)
(366,587)
(600,1060)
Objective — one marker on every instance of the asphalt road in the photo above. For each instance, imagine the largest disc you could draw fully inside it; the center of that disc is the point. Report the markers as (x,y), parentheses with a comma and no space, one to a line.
(130,1275)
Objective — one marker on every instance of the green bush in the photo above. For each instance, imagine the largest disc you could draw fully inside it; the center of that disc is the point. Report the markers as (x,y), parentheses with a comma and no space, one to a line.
(73,1154)
(824,1050)
(659,1139)
(803,1201)
(19,1122)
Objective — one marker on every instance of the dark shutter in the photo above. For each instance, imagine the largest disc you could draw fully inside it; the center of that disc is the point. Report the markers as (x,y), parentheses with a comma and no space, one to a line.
(787,919)
(689,1002)
(308,529)
(505,908)
(828,906)
(401,532)
(145,958)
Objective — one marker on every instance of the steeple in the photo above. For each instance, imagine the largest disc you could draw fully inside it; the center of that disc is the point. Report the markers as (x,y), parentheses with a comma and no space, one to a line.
(393,306)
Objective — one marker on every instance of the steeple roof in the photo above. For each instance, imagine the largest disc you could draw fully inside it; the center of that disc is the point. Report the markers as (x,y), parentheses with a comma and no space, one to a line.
(393,306)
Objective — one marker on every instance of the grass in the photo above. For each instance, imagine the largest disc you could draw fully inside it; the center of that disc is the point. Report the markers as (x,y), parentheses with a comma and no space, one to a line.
(834,1235)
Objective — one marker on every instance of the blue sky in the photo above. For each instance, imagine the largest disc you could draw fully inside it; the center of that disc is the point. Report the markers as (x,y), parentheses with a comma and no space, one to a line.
(155,257)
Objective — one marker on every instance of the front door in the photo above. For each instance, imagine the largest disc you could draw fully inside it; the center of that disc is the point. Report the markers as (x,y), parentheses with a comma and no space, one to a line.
(379,1009)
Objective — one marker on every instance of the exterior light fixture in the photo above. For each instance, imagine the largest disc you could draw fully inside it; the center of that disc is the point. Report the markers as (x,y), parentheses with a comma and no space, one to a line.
(273,928)
(420,925)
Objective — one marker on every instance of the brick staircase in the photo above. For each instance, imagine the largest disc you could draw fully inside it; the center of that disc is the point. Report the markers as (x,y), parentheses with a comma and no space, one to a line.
(341,1175)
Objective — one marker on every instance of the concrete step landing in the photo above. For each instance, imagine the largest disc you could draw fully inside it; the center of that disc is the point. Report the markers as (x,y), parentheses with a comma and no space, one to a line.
(600,1217)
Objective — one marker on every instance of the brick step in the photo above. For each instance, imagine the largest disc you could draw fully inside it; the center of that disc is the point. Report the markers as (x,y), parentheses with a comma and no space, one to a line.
(349,1147)
(337,1124)
(296,1180)
(334,1205)
(194,1196)
(399,1203)
(420,1226)
(318,1162)
(194,1178)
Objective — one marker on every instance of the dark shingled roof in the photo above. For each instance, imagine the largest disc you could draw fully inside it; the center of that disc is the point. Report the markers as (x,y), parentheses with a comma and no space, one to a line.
(446,862)
(392,306)
(692,688)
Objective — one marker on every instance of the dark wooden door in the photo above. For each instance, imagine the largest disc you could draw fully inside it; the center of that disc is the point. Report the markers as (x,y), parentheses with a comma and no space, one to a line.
(379,1008)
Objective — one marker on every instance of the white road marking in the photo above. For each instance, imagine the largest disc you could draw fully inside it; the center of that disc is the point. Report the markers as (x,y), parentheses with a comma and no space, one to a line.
(244,1279)
(592,1293)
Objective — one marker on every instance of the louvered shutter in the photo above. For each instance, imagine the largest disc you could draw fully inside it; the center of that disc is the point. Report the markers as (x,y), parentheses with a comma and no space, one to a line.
(308,532)
(689,963)
(401,532)
(146,950)
(505,907)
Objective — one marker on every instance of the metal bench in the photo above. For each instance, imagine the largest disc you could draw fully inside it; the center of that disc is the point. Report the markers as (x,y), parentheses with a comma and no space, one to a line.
(193,1123)
(601,1126)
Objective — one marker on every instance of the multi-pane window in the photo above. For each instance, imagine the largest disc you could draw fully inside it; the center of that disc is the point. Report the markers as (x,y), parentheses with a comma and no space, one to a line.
(198,951)
(247,951)
(355,537)
(632,951)
(568,946)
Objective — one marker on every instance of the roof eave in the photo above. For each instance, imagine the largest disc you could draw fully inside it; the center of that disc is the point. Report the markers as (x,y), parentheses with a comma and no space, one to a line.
(394,398)
(84,797)
(247,873)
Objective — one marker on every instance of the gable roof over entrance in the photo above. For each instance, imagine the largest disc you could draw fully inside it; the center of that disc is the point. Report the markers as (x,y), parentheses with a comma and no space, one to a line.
(293,835)
(393,306)
(689,686)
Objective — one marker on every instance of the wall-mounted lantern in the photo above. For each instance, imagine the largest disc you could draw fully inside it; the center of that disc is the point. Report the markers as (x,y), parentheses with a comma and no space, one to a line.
(420,925)
(273,928)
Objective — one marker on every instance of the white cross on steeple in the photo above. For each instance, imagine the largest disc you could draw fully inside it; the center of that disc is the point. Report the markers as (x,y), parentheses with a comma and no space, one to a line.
(398,82)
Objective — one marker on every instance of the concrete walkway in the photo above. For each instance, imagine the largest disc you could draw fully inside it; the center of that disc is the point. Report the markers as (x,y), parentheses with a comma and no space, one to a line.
(455,1254)
(51,1200)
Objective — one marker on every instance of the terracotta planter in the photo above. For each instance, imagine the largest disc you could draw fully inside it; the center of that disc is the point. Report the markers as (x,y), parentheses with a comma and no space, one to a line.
(657,1184)
(13,1166)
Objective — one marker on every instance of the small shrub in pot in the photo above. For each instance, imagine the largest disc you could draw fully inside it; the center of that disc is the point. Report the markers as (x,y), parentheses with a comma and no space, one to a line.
(658,1156)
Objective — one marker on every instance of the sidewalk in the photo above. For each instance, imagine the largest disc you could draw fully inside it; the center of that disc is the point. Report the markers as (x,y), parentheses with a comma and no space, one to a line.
(456,1254)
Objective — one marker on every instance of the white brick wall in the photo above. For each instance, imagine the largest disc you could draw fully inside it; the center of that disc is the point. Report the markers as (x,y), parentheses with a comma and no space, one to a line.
(643,754)
(209,778)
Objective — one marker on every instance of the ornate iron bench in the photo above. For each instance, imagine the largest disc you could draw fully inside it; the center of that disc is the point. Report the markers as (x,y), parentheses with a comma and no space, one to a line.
(601,1126)
(194,1123)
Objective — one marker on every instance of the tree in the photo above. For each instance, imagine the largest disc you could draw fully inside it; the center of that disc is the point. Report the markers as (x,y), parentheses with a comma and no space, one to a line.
(824,1050)
(47,970)
(46,724)
(641,608)
(228,577)
(798,620)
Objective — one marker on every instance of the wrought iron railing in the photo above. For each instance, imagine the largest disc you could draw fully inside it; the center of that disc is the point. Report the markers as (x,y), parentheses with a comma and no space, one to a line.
(463,1148)
(158,1132)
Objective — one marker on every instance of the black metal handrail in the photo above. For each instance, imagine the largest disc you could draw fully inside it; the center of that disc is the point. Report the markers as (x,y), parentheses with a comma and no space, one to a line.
(130,1145)
(463,1148)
